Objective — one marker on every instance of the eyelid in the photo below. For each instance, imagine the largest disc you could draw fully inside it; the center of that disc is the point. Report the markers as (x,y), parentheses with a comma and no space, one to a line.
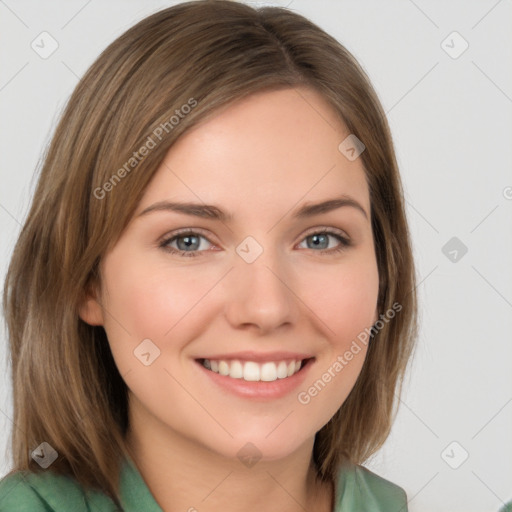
(319,229)
(184,231)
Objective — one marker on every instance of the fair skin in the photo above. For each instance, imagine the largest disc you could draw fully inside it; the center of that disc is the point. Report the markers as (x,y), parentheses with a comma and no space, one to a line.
(261,159)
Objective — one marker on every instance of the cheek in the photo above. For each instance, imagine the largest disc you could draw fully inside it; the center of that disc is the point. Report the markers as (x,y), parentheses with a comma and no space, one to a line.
(150,301)
(145,299)
(344,297)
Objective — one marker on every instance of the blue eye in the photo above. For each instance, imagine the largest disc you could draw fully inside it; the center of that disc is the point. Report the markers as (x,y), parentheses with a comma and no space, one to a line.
(321,237)
(191,242)
(190,245)
(188,242)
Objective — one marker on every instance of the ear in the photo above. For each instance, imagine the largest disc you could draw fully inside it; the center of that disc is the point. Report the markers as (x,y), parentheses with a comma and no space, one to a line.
(89,309)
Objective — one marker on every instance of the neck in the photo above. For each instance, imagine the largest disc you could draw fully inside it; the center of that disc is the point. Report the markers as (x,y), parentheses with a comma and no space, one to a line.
(183,475)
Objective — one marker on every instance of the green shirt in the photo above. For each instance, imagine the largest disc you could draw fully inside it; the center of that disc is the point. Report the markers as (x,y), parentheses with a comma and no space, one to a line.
(357,489)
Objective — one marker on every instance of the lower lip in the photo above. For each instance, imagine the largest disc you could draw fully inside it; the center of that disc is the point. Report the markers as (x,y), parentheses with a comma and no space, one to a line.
(259,389)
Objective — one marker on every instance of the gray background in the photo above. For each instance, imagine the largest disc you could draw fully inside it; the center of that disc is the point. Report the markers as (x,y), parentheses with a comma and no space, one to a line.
(451,123)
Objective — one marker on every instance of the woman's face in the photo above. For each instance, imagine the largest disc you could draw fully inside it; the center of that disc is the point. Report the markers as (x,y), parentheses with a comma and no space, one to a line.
(259,285)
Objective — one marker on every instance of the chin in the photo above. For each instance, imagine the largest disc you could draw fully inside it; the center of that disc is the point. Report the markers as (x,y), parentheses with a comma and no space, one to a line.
(261,446)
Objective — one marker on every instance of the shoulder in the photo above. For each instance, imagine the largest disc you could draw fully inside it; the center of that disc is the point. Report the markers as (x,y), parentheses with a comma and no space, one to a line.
(362,489)
(42,492)
(17,494)
(378,487)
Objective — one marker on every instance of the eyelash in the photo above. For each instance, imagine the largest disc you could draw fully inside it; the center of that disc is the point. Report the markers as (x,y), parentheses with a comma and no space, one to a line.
(344,242)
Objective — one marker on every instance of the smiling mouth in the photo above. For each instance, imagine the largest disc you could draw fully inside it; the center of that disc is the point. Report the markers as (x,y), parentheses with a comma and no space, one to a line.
(252,371)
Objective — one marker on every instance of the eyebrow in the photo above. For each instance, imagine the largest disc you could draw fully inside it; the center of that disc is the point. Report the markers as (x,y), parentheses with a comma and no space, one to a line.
(210,211)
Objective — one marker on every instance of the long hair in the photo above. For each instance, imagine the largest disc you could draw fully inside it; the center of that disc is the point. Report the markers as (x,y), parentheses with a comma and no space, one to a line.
(157,80)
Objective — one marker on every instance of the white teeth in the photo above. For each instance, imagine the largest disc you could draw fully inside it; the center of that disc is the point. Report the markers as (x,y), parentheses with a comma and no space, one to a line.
(253,372)
(223,368)
(268,372)
(236,370)
(282,370)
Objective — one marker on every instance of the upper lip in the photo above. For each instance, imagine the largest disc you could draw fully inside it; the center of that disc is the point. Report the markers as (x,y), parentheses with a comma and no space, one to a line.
(259,356)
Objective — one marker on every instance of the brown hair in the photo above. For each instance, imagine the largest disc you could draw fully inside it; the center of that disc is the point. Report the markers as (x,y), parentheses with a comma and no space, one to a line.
(67,389)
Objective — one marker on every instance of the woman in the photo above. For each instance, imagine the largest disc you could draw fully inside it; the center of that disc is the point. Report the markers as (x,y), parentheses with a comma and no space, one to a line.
(178,341)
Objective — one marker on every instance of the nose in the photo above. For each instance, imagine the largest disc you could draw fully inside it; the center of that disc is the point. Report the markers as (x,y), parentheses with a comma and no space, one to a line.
(260,295)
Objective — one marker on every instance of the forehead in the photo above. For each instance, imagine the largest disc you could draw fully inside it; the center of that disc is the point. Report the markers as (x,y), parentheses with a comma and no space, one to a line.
(262,153)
